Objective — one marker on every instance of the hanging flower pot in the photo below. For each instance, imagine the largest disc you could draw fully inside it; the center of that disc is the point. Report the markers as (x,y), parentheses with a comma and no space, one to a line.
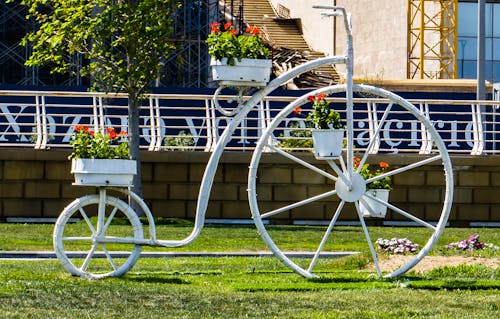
(103,172)
(327,143)
(372,208)
(244,72)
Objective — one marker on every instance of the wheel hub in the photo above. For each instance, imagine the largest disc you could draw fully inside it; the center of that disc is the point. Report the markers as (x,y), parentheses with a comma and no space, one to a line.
(353,192)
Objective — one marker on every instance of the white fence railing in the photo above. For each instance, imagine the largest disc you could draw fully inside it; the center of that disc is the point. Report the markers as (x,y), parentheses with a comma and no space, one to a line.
(190,122)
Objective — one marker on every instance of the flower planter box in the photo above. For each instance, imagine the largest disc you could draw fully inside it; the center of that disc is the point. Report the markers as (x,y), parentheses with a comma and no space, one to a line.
(103,172)
(246,72)
(374,209)
(328,143)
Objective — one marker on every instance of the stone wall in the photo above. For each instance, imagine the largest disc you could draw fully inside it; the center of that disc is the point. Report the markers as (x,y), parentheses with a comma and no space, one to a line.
(38,184)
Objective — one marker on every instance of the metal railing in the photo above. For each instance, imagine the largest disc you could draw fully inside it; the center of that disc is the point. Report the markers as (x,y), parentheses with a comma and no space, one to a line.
(45,120)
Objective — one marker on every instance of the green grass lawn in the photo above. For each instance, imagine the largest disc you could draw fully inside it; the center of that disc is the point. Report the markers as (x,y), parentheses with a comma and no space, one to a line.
(237,287)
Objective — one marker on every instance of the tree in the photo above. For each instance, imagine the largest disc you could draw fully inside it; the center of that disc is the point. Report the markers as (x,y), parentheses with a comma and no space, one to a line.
(122,41)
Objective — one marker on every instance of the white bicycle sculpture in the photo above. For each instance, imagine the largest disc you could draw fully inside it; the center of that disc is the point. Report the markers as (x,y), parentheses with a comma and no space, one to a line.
(122,251)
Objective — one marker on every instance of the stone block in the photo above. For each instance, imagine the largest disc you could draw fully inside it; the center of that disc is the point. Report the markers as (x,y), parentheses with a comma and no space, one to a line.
(314,190)
(475,178)
(486,196)
(196,172)
(398,195)
(236,209)
(146,172)
(72,191)
(168,209)
(264,193)
(11,190)
(22,208)
(265,207)
(495,179)
(435,178)
(290,192)
(417,210)
(23,170)
(473,212)
(225,191)
(54,207)
(461,195)
(170,172)
(185,191)
(424,195)
(410,178)
(307,176)
(154,190)
(234,173)
(310,211)
(274,175)
(60,171)
(42,190)
(214,209)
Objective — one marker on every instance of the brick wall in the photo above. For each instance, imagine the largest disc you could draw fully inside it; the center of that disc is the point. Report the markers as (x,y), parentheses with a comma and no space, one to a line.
(38,184)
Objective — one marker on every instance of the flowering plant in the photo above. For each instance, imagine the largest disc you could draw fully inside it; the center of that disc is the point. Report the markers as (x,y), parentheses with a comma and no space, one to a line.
(397,245)
(367,173)
(89,144)
(322,115)
(226,43)
(470,244)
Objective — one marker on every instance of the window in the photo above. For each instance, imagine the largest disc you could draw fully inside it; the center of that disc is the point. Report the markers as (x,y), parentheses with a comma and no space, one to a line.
(467,40)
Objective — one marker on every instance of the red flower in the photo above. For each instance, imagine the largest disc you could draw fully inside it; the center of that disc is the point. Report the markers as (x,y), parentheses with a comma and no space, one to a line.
(311,98)
(233,31)
(81,128)
(357,161)
(91,133)
(384,165)
(252,30)
(297,110)
(123,134)
(227,25)
(111,132)
(215,26)
(320,96)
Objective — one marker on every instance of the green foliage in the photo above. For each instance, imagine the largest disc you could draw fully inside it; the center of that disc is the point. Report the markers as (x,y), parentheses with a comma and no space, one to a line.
(89,144)
(181,142)
(299,140)
(366,172)
(322,115)
(123,42)
(228,44)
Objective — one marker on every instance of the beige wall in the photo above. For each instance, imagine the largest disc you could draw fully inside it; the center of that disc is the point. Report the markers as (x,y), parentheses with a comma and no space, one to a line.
(379,30)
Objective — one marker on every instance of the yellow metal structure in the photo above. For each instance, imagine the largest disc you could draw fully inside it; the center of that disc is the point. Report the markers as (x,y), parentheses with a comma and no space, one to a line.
(432,39)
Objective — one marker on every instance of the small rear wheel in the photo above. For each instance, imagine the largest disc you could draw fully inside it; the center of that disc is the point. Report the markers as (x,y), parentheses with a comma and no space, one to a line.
(94,236)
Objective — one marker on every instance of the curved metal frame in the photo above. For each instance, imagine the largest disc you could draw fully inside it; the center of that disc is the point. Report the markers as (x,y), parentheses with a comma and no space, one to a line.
(348,176)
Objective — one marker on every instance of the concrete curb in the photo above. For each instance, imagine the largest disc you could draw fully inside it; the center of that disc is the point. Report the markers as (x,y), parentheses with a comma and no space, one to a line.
(27,255)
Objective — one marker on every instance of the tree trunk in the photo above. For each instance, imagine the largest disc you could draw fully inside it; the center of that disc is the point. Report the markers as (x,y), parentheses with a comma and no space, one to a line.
(134,145)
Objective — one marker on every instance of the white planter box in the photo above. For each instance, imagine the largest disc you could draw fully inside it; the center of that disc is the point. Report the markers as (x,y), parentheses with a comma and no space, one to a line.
(328,143)
(246,72)
(103,172)
(371,208)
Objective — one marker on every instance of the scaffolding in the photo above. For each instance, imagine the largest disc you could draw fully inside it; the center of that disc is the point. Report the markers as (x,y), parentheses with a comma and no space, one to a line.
(186,66)
(432,39)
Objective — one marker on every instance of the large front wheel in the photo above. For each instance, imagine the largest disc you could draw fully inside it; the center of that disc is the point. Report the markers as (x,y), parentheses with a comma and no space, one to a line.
(94,235)
(345,189)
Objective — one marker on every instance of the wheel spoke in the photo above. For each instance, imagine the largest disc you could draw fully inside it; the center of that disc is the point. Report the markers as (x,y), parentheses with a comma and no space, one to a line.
(87,220)
(368,239)
(374,137)
(109,258)
(110,218)
(325,236)
(88,258)
(297,204)
(69,238)
(402,212)
(301,162)
(404,168)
